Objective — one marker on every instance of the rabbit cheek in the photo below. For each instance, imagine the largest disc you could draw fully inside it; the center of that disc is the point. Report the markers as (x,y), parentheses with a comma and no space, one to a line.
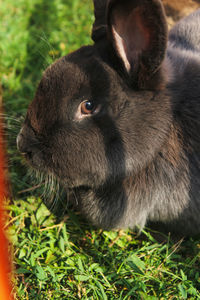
(77,161)
(76,169)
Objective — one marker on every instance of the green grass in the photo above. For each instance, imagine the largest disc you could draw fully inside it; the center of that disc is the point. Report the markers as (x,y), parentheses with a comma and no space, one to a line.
(72,260)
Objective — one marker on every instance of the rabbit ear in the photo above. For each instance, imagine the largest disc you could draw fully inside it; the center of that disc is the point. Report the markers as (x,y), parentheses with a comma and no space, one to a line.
(137,31)
(99,26)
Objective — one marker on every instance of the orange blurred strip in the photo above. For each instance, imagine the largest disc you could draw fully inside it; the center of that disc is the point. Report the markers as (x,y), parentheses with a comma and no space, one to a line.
(5,264)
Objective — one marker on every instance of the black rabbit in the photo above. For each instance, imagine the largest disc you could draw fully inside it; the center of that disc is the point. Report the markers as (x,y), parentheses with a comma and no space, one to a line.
(118,123)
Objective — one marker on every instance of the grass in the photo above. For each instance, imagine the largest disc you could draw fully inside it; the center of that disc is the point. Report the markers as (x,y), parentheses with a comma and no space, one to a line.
(71,260)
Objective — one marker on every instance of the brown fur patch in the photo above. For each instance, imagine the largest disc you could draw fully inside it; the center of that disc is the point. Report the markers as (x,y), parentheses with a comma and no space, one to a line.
(176,9)
(172,150)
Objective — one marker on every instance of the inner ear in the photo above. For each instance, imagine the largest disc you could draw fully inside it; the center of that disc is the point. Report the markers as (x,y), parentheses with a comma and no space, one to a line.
(137,31)
(130,40)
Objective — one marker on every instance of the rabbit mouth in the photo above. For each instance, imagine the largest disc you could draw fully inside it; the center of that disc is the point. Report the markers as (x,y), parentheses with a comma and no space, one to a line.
(35,161)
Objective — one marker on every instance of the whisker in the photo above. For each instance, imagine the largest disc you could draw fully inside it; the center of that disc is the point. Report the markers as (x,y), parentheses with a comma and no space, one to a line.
(30,189)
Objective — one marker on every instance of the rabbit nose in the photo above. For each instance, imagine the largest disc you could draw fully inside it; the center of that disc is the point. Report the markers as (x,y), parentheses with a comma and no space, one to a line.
(23,145)
(29,146)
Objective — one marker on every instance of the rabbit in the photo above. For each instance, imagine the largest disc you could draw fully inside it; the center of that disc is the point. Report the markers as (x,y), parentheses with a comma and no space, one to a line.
(117,123)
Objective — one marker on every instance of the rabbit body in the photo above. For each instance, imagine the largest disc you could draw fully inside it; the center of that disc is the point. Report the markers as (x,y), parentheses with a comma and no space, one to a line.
(118,123)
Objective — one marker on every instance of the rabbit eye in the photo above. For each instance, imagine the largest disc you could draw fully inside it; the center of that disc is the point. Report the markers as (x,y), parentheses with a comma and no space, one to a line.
(87,107)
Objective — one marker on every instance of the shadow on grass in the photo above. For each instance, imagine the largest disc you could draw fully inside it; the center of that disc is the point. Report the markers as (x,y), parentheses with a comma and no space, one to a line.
(42,21)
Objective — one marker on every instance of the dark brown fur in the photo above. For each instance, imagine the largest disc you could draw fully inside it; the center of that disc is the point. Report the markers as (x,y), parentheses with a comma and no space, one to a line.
(136,160)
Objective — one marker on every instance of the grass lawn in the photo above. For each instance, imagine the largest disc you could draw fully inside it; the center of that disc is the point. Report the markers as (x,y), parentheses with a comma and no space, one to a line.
(71,260)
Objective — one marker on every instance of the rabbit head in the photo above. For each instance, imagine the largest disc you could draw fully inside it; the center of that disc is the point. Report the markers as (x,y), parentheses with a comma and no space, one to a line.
(101,114)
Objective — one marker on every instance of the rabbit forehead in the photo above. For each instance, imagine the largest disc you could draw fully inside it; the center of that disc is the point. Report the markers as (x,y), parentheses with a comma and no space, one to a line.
(70,74)
(78,76)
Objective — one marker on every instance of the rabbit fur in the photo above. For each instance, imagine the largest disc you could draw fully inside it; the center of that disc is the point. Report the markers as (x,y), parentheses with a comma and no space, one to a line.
(118,122)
